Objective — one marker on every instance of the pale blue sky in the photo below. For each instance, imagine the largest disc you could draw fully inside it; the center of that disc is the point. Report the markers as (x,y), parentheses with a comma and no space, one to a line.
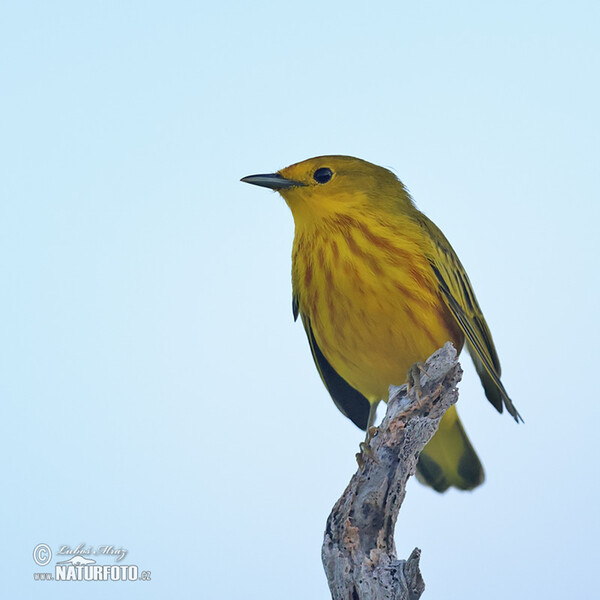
(155,391)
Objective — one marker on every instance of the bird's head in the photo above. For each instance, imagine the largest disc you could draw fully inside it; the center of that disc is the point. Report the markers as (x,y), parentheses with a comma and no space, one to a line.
(326,185)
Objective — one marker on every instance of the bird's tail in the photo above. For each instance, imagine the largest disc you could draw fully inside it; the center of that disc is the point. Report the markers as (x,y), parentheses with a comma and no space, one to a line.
(449,459)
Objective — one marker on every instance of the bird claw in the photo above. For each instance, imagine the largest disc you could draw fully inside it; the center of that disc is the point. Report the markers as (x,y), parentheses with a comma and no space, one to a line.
(413,378)
(365,447)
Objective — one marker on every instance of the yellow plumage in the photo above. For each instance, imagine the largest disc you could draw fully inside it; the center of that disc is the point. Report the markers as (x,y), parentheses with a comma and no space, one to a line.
(378,288)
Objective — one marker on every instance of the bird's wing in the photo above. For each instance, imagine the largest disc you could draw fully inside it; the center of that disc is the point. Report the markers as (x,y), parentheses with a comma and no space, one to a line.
(349,400)
(458,294)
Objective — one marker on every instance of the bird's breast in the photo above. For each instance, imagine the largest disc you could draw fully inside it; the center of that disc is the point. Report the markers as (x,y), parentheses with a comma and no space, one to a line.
(371,299)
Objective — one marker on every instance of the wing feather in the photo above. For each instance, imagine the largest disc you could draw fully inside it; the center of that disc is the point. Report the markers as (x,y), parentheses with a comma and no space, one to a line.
(459,297)
(348,399)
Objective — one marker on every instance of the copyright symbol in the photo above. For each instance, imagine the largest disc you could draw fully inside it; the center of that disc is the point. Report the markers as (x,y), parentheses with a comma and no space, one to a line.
(42,554)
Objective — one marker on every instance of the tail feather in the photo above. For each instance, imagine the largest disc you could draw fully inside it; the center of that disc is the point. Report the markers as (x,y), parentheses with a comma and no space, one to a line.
(449,459)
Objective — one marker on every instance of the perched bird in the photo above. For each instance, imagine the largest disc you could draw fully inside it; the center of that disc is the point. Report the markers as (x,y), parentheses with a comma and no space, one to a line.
(379,288)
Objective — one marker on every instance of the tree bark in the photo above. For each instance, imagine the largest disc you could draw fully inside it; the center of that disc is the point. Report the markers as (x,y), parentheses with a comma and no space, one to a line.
(359,555)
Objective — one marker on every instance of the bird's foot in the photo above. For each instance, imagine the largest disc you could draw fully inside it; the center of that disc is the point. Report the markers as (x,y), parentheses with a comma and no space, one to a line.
(413,378)
(365,447)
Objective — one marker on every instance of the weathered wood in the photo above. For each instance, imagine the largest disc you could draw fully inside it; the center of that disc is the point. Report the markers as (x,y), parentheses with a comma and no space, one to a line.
(358,553)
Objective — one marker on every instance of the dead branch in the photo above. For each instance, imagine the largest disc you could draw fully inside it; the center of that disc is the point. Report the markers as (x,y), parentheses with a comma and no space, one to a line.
(358,553)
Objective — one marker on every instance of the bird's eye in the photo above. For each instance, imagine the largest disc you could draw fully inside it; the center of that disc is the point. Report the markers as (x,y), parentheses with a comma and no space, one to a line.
(323,175)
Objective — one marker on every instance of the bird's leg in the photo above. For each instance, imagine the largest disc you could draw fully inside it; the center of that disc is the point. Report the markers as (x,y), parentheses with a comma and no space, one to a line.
(413,379)
(365,447)
(372,416)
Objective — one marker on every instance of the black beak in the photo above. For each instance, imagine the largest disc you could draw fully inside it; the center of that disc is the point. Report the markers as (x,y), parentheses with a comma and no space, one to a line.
(274,181)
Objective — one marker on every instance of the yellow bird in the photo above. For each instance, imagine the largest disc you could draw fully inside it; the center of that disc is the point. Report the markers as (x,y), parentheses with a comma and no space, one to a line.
(379,288)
